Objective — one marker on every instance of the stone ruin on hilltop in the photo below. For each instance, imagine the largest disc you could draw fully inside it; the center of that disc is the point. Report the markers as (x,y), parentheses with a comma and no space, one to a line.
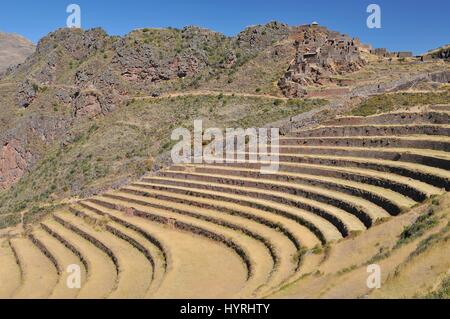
(320,54)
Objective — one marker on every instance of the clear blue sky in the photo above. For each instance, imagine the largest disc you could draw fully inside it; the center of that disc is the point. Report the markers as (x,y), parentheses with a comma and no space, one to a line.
(406,24)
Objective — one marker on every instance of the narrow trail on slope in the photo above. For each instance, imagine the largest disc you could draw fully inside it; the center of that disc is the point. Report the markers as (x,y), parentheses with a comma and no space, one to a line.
(209,93)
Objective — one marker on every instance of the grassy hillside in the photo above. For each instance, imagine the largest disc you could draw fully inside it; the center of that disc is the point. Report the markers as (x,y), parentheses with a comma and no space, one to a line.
(407,248)
(111,150)
(389,102)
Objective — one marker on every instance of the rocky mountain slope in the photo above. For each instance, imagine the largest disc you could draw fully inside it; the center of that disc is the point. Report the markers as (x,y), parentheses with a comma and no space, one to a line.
(79,86)
(14,49)
(440,53)
(89,74)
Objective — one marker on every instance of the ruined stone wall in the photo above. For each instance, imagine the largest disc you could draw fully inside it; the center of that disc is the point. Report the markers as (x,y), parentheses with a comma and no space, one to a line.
(320,54)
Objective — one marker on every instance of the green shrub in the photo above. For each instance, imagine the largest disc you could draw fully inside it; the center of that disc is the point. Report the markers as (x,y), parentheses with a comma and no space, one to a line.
(9,220)
(277,102)
(383,253)
(418,228)
(443,292)
(298,256)
(317,250)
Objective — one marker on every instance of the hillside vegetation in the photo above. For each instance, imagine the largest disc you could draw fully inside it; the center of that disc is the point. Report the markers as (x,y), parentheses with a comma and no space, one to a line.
(113,150)
(384,103)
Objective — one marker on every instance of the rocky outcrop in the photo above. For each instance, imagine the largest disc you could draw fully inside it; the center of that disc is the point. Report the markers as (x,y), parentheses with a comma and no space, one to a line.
(23,144)
(95,88)
(78,43)
(320,54)
(96,93)
(87,78)
(230,60)
(186,64)
(87,104)
(136,62)
(56,52)
(441,77)
(47,73)
(65,95)
(26,93)
(13,163)
(257,38)
(438,54)
(141,61)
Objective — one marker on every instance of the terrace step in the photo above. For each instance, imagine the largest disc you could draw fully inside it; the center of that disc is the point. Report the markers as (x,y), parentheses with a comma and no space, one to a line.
(440,108)
(10,272)
(433,117)
(373,130)
(150,247)
(439,178)
(413,189)
(340,219)
(39,275)
(329,204)
(101,272)
(63,258)
(437,159)
(440,143)
(254,254)
(194,264)
(305,185)
(281,249)
(298,235)
(323,229)
(134,270)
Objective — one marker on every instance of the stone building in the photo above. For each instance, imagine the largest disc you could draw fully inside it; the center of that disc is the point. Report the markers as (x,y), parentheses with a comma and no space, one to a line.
(405,54)
(320,54)
(381,52)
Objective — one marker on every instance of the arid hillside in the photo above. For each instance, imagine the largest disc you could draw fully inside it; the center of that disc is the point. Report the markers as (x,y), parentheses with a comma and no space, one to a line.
(86,176)
(14,49)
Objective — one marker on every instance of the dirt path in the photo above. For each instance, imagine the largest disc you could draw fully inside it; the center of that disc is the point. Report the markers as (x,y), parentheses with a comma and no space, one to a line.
(209,93)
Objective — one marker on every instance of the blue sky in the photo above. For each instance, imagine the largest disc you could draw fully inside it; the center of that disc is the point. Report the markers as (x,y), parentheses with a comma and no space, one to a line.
(406,24)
